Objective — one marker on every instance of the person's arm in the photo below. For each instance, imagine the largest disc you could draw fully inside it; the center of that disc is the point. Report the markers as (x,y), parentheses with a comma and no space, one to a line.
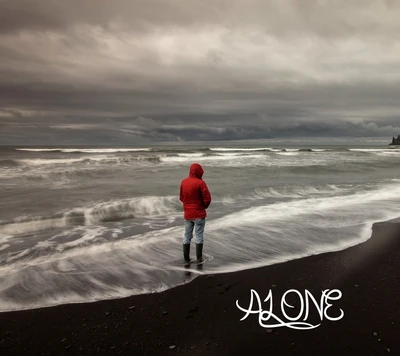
(205,194)
(181,194)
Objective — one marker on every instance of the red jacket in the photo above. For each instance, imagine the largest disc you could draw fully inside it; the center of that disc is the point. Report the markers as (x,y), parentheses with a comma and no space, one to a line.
(194,194)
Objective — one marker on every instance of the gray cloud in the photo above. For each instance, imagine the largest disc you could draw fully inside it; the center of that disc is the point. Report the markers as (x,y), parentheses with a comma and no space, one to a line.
(200,70)
(323,17)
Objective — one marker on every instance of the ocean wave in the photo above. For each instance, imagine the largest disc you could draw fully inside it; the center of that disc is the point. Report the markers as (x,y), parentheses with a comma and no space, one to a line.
(8,163)
(61,176)
(239,149)
(88,159)
(287,192)
(386,152)
(228,156)
(84,150)
(368,149)
(301,191)
(34,225)
(46,161)
(326,206)
(287,153)
(39,149)
(190,155)
(147,206)
(230,159)
(111,211)
(268,149)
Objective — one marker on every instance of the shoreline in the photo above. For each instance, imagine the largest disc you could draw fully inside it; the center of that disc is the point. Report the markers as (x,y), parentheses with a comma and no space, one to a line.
(202,317)
(255,266)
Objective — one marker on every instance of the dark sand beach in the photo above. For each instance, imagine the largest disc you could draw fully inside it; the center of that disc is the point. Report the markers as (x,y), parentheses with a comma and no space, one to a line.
(201,317)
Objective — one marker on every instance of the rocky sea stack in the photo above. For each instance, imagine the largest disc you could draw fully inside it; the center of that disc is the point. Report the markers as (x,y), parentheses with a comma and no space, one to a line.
(395,141)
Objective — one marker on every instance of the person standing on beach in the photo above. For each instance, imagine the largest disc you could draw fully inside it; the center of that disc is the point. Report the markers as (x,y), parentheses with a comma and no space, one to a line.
(196,198)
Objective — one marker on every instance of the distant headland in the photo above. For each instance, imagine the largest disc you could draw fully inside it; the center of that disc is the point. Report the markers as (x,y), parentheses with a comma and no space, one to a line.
(395,141)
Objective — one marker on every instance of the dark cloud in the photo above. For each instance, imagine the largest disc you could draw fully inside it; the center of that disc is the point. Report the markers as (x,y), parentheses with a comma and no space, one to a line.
(323,17)
(197,128)
(11,113)
(197,70)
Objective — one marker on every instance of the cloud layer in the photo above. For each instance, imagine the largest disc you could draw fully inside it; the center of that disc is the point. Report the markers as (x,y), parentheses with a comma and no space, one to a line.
(197,70)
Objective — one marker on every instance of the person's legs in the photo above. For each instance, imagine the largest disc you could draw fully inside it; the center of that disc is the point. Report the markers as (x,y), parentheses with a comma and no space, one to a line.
(187,237)
(199,229)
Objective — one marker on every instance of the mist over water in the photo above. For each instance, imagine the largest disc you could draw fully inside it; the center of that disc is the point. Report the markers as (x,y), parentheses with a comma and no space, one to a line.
(83,224)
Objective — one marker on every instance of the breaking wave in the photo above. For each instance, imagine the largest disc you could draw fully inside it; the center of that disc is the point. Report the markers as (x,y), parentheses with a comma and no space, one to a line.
(83,150)
(90,159)
(112,211)
(267,149)
(223,149)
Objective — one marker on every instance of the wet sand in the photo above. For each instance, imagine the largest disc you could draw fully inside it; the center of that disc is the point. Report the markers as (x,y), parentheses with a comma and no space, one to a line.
(201,317)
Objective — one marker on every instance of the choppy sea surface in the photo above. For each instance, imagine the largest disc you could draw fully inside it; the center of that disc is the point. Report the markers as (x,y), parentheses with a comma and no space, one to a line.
(84,224)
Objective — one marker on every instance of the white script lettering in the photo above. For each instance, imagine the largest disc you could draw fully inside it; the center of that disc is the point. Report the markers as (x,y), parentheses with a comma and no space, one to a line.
(255,307)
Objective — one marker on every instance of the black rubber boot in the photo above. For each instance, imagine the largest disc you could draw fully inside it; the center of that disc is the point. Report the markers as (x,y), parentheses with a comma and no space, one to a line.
(186,253)
(199,252)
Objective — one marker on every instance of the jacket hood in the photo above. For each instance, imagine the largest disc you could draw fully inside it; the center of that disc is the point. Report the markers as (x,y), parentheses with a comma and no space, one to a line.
(196,171)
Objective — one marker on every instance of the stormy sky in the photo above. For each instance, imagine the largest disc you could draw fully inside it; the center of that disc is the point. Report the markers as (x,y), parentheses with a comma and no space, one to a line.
(137,71)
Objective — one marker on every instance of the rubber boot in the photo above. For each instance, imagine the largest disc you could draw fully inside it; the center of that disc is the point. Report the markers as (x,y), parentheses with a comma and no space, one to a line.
(186,253)
(199,252)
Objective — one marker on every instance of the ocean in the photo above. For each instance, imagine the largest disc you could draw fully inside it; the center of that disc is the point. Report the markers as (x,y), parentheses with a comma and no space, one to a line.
(84,224)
